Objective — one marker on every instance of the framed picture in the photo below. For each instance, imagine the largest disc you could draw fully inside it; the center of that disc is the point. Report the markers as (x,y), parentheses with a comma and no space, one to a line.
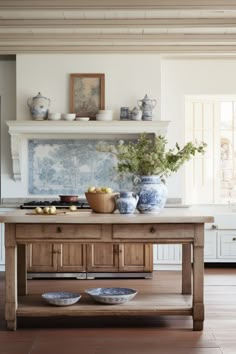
(87,94)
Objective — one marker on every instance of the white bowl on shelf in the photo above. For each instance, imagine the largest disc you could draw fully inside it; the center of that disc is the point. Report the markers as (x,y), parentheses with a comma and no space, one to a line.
(54,116)
(68,116)
(105,114)
(82,119)
(110,111)
(112,296)
(61,298)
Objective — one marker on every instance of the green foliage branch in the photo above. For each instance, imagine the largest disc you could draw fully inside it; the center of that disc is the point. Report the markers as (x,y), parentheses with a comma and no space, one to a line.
(149,156)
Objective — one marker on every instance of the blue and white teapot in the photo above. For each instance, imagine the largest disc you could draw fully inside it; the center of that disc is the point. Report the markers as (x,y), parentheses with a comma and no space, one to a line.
(147,105)
(126,203)
(38,106)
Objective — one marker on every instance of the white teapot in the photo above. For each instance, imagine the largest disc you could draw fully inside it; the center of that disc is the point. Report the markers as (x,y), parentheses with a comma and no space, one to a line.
(38,106)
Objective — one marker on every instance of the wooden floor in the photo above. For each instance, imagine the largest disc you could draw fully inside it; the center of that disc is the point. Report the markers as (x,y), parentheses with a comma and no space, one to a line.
(122,335)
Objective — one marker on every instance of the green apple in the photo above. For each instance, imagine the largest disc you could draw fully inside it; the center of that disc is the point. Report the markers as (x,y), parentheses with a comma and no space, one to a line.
(38,210)
(46,210)
(91,189)
(108,190)
(52,210)
(73,208)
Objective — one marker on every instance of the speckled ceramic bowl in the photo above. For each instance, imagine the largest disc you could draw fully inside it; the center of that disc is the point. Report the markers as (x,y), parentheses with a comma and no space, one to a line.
(112,296)
(61,298)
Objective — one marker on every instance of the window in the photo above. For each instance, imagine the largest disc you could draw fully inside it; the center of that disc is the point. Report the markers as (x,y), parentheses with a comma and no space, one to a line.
(212,178)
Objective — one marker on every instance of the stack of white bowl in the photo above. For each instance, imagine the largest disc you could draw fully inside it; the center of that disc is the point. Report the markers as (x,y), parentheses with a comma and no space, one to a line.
(54,116)
(68,116)
(105,114)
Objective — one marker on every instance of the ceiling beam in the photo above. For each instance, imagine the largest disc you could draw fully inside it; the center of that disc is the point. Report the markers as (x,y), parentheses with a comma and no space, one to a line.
(37,39)
(96,49)
(119,23)
(116,4)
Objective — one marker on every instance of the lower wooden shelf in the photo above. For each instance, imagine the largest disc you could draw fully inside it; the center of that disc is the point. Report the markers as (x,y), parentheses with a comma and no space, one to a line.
(142,304)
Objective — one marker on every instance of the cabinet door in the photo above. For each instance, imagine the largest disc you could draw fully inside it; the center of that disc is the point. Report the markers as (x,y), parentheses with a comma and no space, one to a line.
(210,245)
(135,257)
(226,245)
(71,257)
(102,257)
(42,257)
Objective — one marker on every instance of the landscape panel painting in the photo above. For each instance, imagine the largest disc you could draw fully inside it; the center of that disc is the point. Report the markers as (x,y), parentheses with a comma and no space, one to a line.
(70,167)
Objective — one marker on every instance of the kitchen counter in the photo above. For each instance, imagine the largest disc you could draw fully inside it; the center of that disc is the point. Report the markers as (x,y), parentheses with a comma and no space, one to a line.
(168,215)
(176,226)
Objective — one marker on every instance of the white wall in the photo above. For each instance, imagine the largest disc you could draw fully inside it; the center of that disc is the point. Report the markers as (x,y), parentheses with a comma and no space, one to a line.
(182,77)
(8,112)
(127,78)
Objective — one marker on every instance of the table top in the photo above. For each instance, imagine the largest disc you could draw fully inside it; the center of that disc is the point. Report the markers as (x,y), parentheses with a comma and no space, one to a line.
(173,215)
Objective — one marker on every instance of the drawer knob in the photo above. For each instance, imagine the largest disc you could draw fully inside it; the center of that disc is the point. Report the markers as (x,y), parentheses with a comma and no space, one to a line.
(58,229)
(152,230)
(214,227)
(234,239)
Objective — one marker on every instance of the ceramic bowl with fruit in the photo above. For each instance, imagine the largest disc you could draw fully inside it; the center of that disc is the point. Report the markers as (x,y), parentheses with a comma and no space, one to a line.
(101,199)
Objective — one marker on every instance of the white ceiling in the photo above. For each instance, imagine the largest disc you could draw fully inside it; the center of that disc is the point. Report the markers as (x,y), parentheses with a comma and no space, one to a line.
(164,26)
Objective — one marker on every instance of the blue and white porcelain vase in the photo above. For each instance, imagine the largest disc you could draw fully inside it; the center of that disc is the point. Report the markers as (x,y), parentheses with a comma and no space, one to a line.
(126,203)
(38,106)
(152,195)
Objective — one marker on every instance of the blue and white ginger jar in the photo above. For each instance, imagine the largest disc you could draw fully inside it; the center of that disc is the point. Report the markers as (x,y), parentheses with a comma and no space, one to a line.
(38,106)
(126,203)
(152,195)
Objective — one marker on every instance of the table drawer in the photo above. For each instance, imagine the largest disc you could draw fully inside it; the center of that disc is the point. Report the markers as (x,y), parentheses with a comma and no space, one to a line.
(153,231)
(61,231)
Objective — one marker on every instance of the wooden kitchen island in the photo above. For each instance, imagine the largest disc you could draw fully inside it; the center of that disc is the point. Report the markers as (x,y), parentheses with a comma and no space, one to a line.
(171,226)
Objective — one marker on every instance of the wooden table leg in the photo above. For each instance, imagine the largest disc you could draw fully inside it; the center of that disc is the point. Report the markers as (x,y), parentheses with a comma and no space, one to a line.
(198,278)
(21,270)
(186,269)
(11,277)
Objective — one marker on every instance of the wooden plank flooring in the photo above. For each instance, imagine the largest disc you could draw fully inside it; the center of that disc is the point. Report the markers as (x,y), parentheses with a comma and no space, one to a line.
(134,335)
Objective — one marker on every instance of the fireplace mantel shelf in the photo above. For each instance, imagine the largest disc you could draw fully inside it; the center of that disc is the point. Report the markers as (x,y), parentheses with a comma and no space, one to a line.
(90,127)
(22,130)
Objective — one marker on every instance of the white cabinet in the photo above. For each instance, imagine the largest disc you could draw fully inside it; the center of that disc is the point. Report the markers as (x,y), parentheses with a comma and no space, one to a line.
(226,245)
(210,245)
(219,247)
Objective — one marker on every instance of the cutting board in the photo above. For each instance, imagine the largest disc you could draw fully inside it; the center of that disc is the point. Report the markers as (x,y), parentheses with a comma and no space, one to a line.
(59,212)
